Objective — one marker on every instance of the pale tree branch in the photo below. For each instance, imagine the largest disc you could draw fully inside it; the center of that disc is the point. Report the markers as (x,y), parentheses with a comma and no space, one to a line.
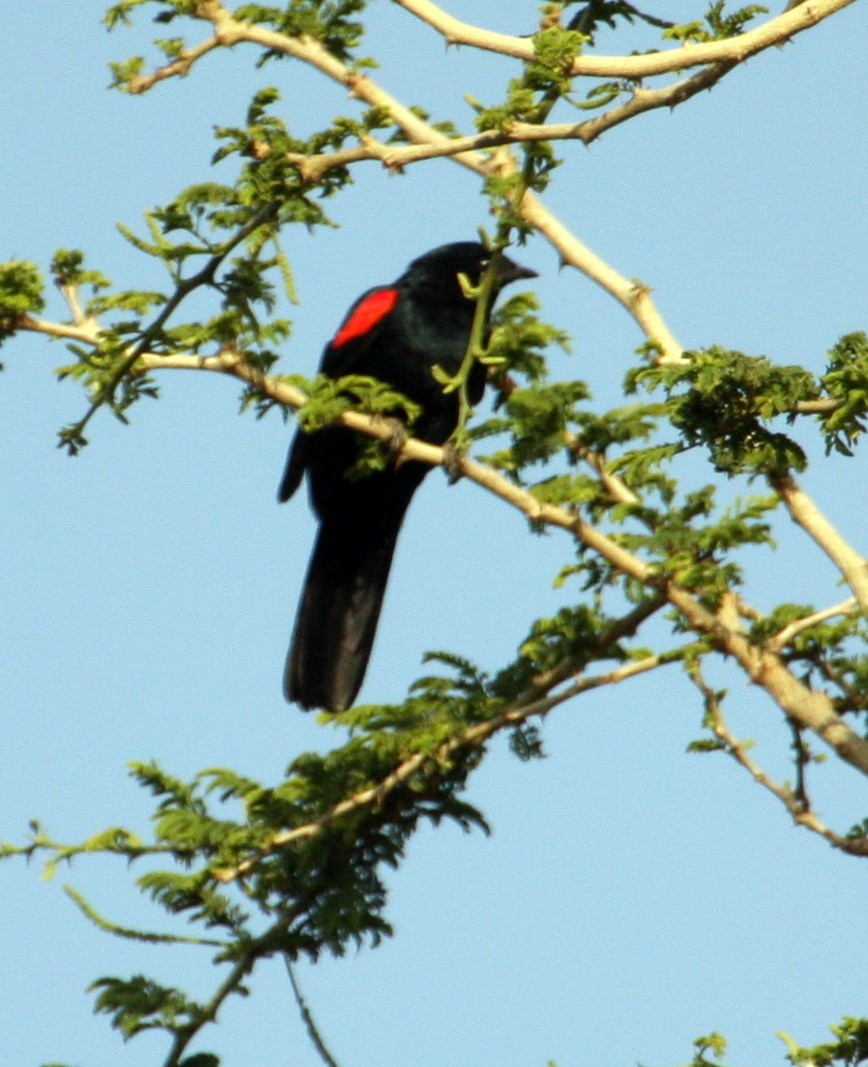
(229,361)
(633,296)
(809,708)
(617,489)
(821,406)
(178,68)
(798,626)
(643,100)
(732,50)
(70,294)
(233,363)
(805,513)
(83,333)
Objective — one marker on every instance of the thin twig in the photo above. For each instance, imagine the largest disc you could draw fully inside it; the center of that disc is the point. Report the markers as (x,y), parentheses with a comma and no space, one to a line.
(787,633)
(307,1017)
(798,807)
(811,708)
(243,964)
(802,761)
(132,934)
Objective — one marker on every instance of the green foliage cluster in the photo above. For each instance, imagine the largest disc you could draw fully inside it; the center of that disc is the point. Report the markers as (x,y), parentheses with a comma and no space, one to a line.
(849,1049)
(20,295)
(716,25)
(324,893)
(711,1045)
(542,82)
(725,402)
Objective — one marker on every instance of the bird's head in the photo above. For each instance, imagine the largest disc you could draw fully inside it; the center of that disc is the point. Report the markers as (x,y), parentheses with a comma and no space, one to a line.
(440,268)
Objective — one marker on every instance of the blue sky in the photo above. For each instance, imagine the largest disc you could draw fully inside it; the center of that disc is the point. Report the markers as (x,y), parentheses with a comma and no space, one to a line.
(631,897)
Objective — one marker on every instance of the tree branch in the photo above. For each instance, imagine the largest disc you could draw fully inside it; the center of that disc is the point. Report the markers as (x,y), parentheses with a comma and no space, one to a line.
(178,68)
(732,50)
(243,964)
(822,406)
(233,363)
(626,626)
(85,334)
(805,513)
(395,157)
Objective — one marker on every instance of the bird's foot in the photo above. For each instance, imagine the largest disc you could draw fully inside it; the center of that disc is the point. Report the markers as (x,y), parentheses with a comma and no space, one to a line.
(397,437)
(453,461)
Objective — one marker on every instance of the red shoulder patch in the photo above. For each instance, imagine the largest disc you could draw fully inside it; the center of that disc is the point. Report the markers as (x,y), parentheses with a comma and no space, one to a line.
(365,315)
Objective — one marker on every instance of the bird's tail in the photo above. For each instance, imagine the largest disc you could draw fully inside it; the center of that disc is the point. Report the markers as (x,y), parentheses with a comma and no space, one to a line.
(338,613)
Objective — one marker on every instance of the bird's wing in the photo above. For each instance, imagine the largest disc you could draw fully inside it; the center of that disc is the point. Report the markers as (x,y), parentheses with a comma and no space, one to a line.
(341,354)
(357,330)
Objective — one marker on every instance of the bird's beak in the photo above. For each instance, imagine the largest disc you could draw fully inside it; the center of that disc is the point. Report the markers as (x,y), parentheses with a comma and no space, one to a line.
(513,272)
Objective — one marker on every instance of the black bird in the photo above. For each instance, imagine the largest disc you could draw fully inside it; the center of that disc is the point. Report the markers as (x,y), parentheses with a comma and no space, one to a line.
(396,334)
